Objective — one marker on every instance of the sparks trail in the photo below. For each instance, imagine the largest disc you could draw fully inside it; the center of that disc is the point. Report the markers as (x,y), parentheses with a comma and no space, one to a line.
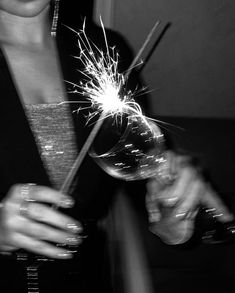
(103,86)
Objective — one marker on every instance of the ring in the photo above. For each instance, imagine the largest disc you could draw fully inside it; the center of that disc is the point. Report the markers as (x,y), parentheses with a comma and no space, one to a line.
(23,209)
(26,199)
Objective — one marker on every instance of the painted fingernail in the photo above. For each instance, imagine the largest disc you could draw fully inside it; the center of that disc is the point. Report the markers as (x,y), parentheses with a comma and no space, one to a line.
(72,251)
(75,228)
(73,240)
(67,202)
(65,255)
(171,201)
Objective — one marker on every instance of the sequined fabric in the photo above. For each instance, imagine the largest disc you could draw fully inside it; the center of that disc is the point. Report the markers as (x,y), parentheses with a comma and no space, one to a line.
(54,134)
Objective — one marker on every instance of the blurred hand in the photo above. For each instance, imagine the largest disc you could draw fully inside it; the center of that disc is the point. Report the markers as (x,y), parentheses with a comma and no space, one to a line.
(172,208)
(28,221)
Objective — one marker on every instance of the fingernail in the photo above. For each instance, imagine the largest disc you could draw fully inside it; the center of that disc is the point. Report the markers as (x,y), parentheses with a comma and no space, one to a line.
(72,251)
(65,255)
(73,240)
(75,228)
(170,202)
(67,202)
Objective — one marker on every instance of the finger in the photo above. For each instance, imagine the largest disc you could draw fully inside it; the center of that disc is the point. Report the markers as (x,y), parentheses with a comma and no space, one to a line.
(165,174)
(153,210)
(41,194)
(177,192)
(42,213)
(44,232)
(172,195)
(157,183)
(173,232)
(40,247)
(190,201)
(217,206)
(51,196)
(153,187)
(6,247)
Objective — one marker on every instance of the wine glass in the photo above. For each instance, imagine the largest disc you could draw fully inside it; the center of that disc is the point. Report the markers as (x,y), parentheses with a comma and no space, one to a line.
(132,147)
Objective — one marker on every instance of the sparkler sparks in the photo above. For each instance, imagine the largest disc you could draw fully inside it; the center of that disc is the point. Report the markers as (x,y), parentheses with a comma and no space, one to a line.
(103,86)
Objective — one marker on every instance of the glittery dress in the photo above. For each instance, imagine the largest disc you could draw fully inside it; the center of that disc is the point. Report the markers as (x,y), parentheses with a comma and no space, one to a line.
(54,134)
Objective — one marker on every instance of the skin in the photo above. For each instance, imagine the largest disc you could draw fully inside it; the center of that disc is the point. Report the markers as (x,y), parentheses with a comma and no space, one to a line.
(172,208)
(24,8)
(32,57)
(35,238)
(30,50)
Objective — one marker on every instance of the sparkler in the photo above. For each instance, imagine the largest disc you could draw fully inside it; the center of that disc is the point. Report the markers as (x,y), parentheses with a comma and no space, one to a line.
(103,87)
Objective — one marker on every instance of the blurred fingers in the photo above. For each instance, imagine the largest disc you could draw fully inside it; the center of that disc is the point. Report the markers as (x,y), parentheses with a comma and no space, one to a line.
(32,192)
(190,200)
(45,214)
(44,232)
(39,247)
(179,190)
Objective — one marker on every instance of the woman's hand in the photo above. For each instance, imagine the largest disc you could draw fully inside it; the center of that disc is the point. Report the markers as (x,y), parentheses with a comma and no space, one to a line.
(28,221)
(172,208)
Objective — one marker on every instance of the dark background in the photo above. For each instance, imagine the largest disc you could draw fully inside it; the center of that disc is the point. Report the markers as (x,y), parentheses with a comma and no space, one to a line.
(192,70)
(72,12)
